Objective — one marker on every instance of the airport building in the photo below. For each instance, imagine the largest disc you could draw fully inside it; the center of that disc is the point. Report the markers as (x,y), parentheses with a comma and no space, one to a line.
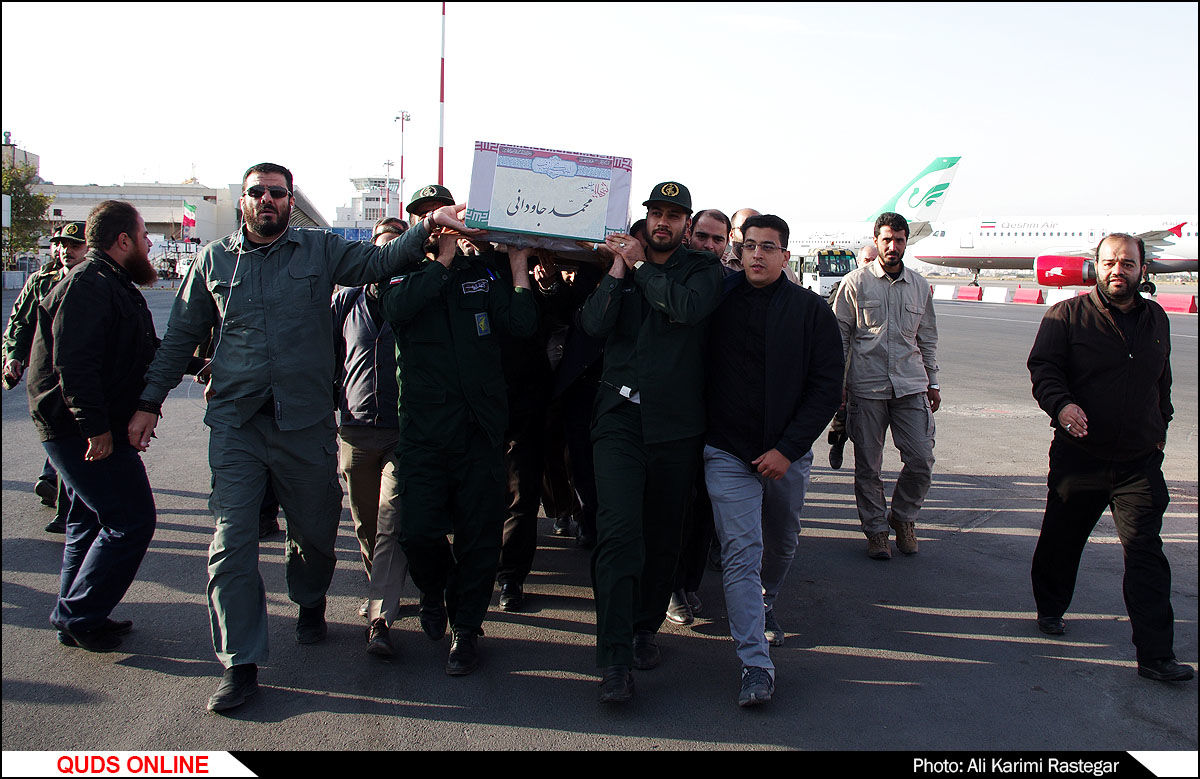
(377,197)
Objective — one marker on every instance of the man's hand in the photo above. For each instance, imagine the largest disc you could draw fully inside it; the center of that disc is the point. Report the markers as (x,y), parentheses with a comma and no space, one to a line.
(518,263)
(141,429)
(1073,420)
(772,464)
(99,447)
(447,247)
(935,399)
(452,217)
(626,247)
(13,370)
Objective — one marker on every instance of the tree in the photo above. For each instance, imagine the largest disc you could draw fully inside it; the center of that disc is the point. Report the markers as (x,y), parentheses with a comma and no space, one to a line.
(28,212)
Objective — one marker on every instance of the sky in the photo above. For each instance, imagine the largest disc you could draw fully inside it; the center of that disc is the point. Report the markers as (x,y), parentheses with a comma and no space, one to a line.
(813,112)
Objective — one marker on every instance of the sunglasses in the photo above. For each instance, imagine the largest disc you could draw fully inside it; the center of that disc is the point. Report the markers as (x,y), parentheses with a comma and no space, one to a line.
(257,191)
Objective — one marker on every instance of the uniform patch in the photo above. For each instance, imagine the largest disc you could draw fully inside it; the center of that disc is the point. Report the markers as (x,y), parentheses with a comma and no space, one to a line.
(397,279)
(482,325)
(475,286)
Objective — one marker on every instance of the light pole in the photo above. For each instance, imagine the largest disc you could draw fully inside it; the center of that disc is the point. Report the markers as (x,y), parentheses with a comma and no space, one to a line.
(387,187)
(402,117)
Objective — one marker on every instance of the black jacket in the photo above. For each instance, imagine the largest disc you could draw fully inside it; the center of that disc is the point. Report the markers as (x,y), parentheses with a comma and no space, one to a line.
(804,367)
(366,362)
(1080,356)
(94,340)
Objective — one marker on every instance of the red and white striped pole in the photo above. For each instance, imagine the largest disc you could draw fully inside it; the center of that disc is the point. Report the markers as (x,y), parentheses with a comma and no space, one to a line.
(442,108)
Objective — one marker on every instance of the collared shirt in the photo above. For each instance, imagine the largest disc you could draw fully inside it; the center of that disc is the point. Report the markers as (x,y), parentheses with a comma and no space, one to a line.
(889,332)
(269,308)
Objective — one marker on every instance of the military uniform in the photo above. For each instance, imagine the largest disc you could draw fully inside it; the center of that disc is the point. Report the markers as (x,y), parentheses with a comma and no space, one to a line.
(449,470)
(272,410)
(647,436)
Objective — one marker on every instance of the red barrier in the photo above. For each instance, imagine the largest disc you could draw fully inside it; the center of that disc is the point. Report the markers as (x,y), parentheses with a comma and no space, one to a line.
(1177,303)
(1028,295)
(969,293)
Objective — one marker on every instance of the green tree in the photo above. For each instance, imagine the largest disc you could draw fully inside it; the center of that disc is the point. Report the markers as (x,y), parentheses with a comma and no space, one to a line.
(28,212)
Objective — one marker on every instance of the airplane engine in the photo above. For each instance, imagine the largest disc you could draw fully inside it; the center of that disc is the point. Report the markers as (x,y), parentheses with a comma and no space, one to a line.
(1061,271)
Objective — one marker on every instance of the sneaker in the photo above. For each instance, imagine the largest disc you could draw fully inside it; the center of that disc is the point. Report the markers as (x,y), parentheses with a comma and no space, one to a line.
(616,684)
(1052,626)
(433,616)
(877,546)
(678,610)
(906,535)
(1164,669)
(379,639)
(46,490)
(693,601)
(646,654)
(757,686)
(464,652)
(238,683)
(772,630)
(311,627)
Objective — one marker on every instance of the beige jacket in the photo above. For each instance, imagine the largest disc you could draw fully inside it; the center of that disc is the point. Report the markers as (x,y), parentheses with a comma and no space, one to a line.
(889,332)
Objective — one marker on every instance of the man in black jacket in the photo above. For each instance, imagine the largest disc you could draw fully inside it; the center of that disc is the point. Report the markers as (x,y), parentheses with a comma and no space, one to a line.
(774,381)
(1101,368)
(94,341)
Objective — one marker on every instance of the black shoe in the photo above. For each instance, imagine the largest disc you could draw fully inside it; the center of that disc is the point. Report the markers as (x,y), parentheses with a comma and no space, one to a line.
(364,608)
(646,654)
(1052,626)
(1164,669)
(464,652)
(379,640)
(433,616)
(311,627)
(512,597)
(836,450)
(267,527)
(678,610)
(238,683)
(57,525)
(616,684)
(46,490)
(562,526)
(116,627)
(100,639)
(585,540)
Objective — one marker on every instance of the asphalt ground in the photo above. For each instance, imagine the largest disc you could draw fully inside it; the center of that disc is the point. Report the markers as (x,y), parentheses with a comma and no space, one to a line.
(933,652)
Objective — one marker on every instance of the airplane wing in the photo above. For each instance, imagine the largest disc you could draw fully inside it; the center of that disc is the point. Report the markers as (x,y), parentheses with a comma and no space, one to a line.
(1156,240)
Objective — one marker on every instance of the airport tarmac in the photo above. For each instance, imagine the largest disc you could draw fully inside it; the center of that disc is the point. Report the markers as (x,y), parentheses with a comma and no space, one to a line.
(933,652)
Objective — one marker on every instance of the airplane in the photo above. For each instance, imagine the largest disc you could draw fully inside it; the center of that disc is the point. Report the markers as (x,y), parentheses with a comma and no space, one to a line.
(1061,249)
(919,201)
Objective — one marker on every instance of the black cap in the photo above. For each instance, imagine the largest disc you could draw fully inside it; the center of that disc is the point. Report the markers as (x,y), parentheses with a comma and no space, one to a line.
(671,192)
(71,231)
(435,193)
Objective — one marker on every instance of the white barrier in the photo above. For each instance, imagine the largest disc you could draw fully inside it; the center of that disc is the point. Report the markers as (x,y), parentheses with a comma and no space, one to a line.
(943,291)
(1058,295)
(995,294)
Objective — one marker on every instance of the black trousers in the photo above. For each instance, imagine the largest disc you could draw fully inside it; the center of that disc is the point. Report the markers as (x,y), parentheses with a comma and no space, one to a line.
(524,464)
(1080,487)
(698,532)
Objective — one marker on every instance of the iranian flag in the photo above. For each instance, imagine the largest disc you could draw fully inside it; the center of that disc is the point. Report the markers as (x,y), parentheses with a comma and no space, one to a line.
(189,214)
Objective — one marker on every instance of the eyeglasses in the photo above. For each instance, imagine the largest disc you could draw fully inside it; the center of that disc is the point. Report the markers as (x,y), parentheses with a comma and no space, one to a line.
(767,248)
(257,191)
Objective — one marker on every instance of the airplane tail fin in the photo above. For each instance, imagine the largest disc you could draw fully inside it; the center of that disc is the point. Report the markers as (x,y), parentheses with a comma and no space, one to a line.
(921,199)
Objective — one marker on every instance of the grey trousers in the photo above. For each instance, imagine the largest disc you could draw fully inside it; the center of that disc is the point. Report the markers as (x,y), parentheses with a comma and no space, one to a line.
(911,422)
(390,566)
(757,521)
(362,453)
(302,467)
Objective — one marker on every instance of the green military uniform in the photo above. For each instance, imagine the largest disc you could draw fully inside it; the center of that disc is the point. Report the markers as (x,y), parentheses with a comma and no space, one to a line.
(18,336)
(272,410)
(449,465)
(647,435)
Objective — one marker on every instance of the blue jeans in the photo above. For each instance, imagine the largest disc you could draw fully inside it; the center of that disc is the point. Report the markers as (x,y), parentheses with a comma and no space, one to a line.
(109,526)
(757,520)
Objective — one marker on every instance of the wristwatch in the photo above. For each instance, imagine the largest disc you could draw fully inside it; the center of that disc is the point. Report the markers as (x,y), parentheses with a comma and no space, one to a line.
(638,264)
(935,386)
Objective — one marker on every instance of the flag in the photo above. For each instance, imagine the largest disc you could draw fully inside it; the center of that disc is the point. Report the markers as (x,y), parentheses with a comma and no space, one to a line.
(189,214)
